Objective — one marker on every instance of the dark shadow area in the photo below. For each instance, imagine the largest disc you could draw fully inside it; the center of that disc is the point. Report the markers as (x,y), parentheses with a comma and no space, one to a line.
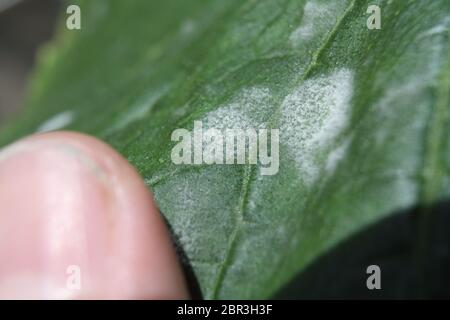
(406,271)
(24,26)
(191,279)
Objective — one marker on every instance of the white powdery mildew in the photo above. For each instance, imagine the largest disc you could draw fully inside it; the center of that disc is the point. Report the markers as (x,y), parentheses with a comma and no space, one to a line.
(336,155)
(197,204)
(227,117)
(247,110)
(57,122)
(312,117)
(442,27)
(314,13)
(401,93)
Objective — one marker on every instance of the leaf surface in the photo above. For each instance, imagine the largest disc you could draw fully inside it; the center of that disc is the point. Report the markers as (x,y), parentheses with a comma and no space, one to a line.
(362,114)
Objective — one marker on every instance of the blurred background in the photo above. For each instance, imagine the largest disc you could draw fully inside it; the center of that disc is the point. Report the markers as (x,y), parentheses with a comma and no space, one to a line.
(24,26)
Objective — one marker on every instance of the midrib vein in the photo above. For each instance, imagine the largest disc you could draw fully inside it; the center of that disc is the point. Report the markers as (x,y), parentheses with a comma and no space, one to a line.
(246,181)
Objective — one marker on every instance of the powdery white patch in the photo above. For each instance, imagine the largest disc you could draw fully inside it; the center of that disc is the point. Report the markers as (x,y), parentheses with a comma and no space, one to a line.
(441,27)
(400,93)
(314,13)
(57,122)
(248,110)
(229,116)
(186,223)
(396,92)
(312,117)
(336,155)
(202,202)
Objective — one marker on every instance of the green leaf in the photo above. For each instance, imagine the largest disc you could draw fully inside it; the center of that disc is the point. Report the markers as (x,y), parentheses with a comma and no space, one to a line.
(363,119)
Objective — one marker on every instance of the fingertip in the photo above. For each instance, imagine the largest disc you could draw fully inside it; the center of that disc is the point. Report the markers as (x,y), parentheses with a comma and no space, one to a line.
(73,207)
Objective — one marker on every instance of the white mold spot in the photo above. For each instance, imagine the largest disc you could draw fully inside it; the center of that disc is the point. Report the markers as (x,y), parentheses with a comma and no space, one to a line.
(248,109)
(336,155)
(440,28)
(312,117)
(315,13)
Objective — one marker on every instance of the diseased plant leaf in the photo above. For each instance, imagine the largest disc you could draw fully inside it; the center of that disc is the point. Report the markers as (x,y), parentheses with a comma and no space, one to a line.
(363,119)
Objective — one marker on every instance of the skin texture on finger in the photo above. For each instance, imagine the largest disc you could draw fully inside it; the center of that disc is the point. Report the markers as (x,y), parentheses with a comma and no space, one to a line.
(77,221)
